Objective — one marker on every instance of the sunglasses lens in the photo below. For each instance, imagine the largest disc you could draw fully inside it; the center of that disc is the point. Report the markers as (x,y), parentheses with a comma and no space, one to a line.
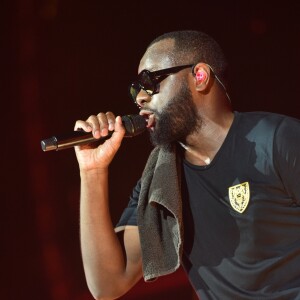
(134,89)
(145,83)
(145,80)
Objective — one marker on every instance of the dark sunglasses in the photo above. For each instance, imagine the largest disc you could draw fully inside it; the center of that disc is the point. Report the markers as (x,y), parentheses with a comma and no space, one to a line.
(149,81)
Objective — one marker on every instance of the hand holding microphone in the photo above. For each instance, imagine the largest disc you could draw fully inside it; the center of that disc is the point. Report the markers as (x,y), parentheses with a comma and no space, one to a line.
(84,134)
(94,131)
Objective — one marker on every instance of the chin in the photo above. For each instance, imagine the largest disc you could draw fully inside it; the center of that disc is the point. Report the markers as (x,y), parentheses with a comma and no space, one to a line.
(161,140)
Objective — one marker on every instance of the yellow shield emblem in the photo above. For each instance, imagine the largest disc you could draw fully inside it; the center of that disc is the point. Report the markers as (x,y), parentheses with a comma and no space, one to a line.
(239,196)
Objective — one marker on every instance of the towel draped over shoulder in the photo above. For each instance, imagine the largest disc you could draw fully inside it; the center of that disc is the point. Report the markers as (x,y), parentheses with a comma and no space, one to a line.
(159,214)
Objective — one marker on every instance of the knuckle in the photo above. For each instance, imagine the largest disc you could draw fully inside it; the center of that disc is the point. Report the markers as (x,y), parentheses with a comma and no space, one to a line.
(110,117)
(91,119)
(110,114)
(79,124)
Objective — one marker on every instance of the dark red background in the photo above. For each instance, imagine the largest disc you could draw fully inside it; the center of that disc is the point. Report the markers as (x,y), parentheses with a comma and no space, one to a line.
(64,60)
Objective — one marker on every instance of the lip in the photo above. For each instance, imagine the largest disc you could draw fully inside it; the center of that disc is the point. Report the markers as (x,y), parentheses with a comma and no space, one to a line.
(149,117)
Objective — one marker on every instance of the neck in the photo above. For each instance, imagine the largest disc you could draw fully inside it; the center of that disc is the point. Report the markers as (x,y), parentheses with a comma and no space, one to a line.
(192,155)
(201,147)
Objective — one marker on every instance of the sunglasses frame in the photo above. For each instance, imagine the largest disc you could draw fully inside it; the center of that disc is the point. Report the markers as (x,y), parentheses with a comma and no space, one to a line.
(154,78)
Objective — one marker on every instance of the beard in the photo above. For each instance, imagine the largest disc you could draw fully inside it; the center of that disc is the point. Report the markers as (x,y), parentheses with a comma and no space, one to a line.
(177,120)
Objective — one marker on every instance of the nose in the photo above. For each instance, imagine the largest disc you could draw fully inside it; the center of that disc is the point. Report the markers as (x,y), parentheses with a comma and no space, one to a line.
(142,98)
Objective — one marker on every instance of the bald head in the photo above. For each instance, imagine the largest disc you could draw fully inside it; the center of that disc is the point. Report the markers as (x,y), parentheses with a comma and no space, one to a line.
(191,47)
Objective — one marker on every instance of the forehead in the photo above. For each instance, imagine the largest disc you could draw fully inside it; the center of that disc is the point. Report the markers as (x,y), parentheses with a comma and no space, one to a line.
(159,56)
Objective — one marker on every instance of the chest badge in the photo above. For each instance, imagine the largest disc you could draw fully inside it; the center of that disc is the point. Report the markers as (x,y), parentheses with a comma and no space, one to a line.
(239,196)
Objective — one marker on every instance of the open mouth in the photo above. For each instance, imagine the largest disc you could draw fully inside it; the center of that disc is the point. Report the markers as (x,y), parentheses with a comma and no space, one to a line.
(150,119)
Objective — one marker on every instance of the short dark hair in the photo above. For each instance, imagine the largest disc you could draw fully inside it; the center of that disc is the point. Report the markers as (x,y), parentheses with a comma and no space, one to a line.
(195,46)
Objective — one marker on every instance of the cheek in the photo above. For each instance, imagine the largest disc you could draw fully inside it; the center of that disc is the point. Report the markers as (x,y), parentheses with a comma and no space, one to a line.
(159,102)
(167,92)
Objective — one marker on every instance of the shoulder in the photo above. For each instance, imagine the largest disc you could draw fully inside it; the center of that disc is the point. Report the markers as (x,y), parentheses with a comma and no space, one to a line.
(257,116)
(256,124)
(268,116)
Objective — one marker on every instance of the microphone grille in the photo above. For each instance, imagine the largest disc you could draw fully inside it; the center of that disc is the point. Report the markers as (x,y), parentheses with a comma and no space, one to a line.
(134,125)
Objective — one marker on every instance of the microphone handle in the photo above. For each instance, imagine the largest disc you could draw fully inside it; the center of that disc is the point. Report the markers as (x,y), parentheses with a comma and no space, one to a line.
(134,125)
(69,140)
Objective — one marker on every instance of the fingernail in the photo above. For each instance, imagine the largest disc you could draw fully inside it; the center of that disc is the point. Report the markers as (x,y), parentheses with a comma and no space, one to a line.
(104,131)
(97,133)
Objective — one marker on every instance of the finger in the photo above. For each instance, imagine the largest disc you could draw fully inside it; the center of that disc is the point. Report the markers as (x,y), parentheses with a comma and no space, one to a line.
(83,125)
(119,130)
(111,120)
(116,139)
(104,123)
(96,127)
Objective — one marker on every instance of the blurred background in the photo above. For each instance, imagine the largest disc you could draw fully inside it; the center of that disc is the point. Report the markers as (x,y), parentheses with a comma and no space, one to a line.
(64,60)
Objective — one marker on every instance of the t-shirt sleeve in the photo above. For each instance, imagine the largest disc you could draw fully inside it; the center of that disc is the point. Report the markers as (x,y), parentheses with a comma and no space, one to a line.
(287,156)
(129,215)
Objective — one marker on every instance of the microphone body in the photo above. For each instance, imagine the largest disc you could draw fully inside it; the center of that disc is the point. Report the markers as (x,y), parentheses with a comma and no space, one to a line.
(134,125)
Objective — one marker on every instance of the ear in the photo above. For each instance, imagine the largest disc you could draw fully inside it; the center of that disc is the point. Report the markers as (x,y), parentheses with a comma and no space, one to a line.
(202,75)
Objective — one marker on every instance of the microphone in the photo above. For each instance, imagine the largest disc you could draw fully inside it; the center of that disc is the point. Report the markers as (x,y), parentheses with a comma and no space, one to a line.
(134,125)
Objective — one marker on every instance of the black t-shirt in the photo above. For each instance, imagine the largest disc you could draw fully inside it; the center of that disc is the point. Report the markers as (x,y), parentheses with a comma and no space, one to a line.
(242,213)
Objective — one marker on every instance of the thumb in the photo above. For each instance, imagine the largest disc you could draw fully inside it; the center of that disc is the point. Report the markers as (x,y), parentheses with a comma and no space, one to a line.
(119,131)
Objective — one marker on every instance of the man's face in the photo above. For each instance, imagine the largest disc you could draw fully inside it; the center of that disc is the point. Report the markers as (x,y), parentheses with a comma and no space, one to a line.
(172,113)
(177,119)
